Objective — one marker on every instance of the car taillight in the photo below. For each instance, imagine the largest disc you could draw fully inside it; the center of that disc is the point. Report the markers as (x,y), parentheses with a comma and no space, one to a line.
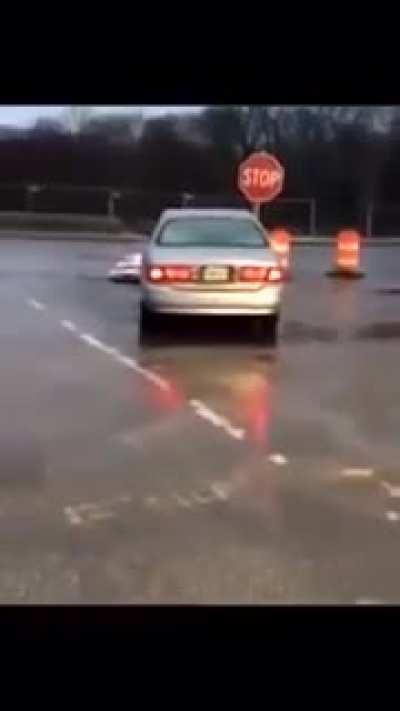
(260,274)
(170,273)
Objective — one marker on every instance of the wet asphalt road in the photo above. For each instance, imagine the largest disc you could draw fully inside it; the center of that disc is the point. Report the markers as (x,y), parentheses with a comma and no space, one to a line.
(206,468)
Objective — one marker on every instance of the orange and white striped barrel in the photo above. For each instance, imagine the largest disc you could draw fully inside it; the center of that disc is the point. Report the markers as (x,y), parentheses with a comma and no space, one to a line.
(348,251)
(281,243)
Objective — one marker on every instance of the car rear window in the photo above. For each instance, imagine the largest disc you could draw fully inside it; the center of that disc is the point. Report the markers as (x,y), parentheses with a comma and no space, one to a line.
(211,232)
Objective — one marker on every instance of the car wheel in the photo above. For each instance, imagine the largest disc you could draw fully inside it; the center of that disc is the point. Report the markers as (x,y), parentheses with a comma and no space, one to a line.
(268,329)
(146,325)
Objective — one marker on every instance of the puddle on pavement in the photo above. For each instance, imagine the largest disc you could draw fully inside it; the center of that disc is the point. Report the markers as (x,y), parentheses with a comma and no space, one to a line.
(387,290)
(380,331)
(298,332)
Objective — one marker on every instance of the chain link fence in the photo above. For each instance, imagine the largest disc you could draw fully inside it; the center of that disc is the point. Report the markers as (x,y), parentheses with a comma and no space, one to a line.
(139,209)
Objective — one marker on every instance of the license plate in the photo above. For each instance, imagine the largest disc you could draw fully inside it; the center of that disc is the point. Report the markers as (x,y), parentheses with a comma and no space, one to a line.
(213,273)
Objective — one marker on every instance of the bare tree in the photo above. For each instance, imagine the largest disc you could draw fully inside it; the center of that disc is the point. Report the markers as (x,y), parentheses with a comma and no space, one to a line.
(76,118)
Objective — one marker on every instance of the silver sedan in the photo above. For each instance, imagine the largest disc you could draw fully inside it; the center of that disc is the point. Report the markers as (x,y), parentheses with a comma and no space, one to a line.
(213,262)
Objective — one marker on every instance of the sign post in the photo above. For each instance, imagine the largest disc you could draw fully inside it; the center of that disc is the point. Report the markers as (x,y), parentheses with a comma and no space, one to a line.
(260,179)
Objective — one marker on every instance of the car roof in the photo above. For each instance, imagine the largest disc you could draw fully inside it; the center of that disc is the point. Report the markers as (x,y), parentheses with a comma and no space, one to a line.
(206,212)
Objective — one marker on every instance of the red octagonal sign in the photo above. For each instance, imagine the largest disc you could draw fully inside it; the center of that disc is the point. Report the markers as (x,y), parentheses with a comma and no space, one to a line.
(260,177)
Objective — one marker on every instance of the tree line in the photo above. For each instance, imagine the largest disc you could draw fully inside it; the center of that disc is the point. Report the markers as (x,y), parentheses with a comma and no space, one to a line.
(339,153)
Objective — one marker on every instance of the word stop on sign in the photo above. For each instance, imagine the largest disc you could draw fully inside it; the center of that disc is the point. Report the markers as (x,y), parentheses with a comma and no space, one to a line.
(260,177)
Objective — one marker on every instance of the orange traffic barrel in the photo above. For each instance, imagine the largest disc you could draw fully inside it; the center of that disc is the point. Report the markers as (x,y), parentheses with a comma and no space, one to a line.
(347,255)
(281,243)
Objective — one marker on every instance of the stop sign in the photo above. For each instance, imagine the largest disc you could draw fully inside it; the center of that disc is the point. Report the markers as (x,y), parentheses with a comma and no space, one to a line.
(260,177)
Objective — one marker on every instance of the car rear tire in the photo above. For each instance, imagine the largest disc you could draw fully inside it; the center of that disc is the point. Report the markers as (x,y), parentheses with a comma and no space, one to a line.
(268,329)
(147,322)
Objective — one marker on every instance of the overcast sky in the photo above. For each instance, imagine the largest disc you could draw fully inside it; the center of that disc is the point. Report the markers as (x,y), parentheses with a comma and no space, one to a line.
(27,115)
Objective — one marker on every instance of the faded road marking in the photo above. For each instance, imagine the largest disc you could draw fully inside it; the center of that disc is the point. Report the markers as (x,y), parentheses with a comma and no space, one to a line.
(36,304)
(199,499)
(152,502)
(222,490)
(72,516)
(206,413)
(93,511)
(393,491)
(279,459)
(392,516)
(101,515)
(68,325)
(219,491)
(357,473)
(181,501)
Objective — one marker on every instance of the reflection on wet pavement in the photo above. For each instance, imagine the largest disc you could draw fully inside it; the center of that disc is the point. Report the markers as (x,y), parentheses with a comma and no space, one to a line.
(377,331)
(288,526)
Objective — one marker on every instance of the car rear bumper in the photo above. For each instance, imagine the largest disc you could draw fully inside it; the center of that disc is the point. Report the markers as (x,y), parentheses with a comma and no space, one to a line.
(210,311)
(167,300)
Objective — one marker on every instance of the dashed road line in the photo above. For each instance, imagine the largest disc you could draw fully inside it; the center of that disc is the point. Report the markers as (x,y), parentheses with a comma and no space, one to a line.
(68,325)
(357,473)
(279,459)
(199,499)
(392,516)
(73,518)
(392,491)
(202,410)
(94,342)
(91,341)
(222,490)
(36,304)
(181,501)
(86,513)
(152,502)
(94,511)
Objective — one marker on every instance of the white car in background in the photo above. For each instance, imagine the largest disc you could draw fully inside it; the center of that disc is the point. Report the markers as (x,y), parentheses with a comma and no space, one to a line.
(127,269)
(210,262)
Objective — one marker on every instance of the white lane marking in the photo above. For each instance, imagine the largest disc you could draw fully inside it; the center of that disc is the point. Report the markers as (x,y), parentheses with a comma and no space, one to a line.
(181,501)
(392,516)
(36,304)
(91,341)
(221,490)
(95,511)
(206,413)
(101,515)
(368,601)
(357,473)
(145,372)
(74,519)
(279,459)
(68,325)
(125,360)
(152,502)
(393,491)
(199,499)
(96,505)
(201,409)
